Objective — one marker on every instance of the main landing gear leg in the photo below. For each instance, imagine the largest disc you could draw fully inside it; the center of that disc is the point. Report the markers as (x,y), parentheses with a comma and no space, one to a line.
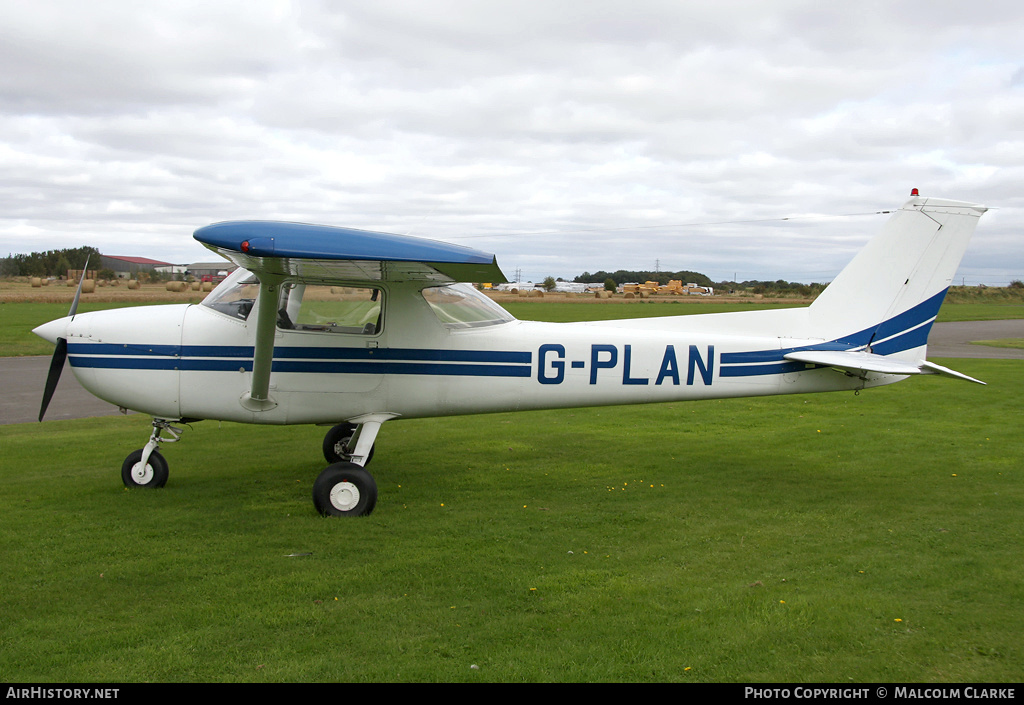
(344,488)
(146,467)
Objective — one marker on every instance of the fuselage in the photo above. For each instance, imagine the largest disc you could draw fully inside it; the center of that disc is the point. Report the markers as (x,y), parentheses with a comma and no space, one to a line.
(195,361)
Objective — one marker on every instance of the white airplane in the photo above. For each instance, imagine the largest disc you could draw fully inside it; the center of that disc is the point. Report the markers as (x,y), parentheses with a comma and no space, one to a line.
(350,328)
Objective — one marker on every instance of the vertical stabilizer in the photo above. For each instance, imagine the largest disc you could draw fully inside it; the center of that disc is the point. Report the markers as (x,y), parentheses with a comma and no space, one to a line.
(888,296)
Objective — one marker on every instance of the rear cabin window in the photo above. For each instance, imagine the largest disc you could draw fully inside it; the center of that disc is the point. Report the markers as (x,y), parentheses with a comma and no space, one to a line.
(462,306)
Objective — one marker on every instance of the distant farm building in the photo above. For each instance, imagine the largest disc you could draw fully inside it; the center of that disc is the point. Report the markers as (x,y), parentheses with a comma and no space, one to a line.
(210,271)
(573,287)
(129,267)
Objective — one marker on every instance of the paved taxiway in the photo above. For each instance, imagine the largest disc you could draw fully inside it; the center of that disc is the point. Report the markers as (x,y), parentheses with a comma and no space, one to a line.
(23,378)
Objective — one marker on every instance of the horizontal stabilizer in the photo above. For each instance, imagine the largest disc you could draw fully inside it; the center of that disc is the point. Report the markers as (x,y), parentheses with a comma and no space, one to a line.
(932,368)
(864,362)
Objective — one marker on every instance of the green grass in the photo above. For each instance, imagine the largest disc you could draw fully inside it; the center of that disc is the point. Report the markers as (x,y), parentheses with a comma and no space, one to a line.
(980,312)
(563,312)
(1016,343)
(816,538)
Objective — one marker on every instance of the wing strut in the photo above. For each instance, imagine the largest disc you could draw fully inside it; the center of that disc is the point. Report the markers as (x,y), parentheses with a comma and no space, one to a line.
(258,398)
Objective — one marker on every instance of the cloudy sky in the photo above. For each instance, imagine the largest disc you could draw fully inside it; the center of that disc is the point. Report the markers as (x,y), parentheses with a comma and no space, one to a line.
(561,135)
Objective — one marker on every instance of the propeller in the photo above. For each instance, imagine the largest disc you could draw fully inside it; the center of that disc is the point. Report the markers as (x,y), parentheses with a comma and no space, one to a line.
(60,353)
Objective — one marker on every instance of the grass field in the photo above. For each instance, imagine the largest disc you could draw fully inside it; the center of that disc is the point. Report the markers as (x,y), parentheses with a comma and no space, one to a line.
(825,538)
(1015,343)
(819,538)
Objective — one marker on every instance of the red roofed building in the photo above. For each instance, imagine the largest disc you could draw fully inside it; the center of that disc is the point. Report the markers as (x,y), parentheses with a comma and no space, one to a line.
(129,267)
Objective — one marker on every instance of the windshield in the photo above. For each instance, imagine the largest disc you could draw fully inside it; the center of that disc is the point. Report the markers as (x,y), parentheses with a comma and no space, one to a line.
(462,306)
(235,295)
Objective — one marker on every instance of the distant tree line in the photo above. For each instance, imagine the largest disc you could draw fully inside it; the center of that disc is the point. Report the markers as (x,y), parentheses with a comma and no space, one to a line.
(52,263)
(780,288)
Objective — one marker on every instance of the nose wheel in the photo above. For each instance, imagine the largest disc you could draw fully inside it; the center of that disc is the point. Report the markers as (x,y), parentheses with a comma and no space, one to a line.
(152,474)
(145,467)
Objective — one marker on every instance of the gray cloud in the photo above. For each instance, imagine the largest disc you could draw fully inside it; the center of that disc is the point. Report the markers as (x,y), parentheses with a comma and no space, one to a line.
(127,126)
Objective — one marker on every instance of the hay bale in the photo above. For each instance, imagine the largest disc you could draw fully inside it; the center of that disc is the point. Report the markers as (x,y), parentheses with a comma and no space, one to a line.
(133,284)
(176,286)
(630,295)
(88,286)
(537,294)
(207,286)
(197,286)
(36,282)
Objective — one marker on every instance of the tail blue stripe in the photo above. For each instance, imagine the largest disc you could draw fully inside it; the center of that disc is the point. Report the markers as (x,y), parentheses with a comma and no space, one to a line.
(905,331)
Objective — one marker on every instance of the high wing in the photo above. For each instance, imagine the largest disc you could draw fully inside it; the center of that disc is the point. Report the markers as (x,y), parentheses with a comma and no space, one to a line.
(330,254)
(277,251)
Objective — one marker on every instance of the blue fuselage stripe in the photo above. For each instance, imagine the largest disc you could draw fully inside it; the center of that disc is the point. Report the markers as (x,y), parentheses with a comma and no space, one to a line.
(217,358)
(312,353)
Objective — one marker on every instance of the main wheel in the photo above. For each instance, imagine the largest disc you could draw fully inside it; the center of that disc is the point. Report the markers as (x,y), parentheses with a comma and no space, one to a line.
(153,475)
(336,442)
(344,490)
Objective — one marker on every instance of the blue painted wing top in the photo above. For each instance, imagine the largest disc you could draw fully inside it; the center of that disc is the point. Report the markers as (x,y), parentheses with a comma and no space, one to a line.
(326,253)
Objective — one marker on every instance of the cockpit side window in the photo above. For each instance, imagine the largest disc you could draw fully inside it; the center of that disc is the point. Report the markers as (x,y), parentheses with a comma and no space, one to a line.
(304,307)
(331,309)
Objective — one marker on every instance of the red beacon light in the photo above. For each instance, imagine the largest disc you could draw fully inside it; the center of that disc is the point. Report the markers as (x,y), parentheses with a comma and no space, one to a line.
(914,192)
(245,245)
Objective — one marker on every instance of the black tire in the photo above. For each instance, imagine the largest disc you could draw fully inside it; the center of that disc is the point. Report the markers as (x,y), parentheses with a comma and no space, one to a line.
(154,476)
(344,490)
(335,443)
